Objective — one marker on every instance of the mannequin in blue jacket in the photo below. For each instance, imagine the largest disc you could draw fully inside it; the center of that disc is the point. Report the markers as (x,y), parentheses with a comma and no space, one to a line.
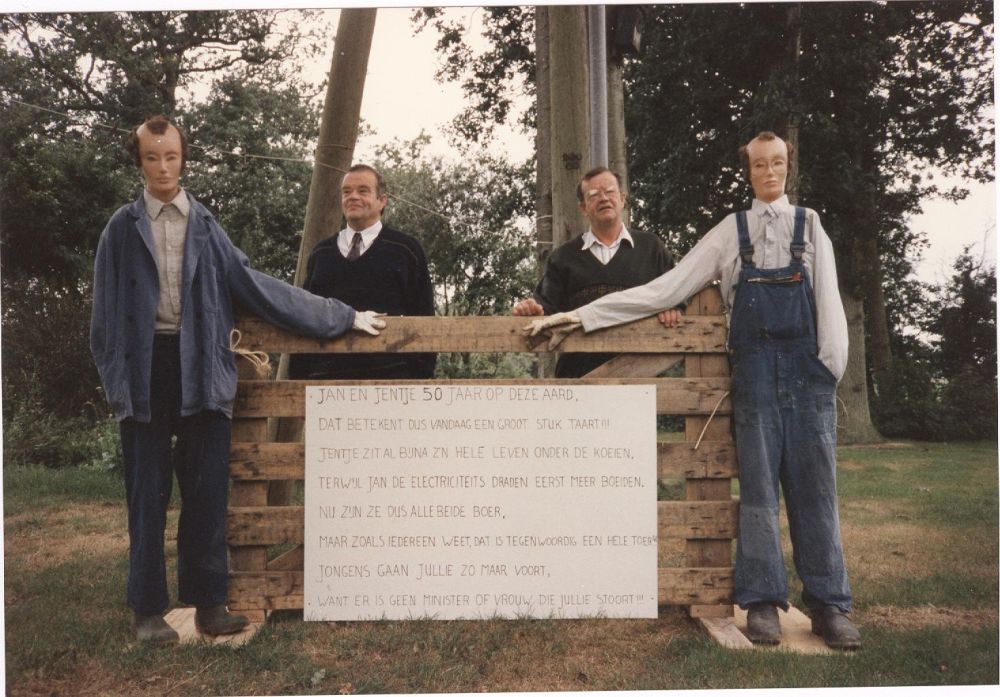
(165,280)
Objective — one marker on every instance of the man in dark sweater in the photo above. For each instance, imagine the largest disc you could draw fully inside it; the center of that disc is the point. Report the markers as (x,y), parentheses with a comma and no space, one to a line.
(371,267)
(605,259)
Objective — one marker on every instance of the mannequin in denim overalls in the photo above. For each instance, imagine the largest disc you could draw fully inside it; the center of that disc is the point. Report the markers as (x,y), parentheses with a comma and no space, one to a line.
(785,421)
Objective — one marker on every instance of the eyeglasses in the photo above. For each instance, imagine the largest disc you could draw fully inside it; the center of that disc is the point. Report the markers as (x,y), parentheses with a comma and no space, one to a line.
(594,194)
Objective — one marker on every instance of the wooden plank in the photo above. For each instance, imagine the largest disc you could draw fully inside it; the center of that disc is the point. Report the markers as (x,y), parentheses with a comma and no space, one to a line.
(682,396)
(698,520)
(636,365)
(697,611)
(705,552)
(269,461)
(712,460)
(703,334)
(292,560)
(796,633)
(266,583)
(725,633)
(281,602)
(181,619)
(265,525)
(248,493)
(271,525)
(283,589)
(695,586)
(266,461)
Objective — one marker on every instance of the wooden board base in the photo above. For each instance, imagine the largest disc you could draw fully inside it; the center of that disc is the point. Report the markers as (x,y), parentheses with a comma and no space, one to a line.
(182,620)
(796,633)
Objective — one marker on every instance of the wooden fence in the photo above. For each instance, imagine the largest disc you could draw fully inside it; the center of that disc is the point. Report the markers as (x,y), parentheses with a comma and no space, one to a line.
(695,532)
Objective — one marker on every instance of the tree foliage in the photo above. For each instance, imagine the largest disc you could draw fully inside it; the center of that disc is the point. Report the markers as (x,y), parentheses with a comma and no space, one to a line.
(471,218)
(492,79)
(260,202)
(879,101)
(946,386)
(72,85)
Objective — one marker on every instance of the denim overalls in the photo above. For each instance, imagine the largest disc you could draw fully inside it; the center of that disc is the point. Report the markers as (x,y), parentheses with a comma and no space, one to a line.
(785,419)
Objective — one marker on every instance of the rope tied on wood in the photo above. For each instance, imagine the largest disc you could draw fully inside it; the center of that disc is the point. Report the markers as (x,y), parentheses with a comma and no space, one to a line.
(260,361)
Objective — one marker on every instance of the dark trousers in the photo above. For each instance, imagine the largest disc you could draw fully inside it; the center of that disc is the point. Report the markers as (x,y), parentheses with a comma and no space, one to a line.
(200,458)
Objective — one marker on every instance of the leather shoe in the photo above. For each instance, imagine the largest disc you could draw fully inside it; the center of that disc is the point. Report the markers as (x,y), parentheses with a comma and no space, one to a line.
(763,626)
(832,624)
(216,619)
(153,629)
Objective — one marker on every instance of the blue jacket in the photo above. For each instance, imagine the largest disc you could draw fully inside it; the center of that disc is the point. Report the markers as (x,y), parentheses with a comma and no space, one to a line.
(214,275)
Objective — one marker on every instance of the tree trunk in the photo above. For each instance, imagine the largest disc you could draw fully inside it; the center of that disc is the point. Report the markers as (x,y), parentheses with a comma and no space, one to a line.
(794,24)
(869,265)
(338,134)
(854,421)
(570,119)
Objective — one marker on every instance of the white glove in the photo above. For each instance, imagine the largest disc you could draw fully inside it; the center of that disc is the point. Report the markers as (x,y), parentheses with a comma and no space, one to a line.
(369,322)
(557,326)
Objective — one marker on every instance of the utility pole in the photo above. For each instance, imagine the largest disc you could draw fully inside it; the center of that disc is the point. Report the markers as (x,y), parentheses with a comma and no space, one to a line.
(570,118)
(598,59)
(338,134)
(338,130)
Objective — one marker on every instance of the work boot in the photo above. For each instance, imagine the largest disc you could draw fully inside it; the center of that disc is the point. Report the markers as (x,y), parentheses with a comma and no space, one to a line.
(216,620)
(832,624)
(153,629)
(763,626)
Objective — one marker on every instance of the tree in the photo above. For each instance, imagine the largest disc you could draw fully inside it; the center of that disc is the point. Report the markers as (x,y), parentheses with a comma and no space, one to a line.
(65,171)
(881,96)
(472,220)
(106,72)
(261,203)
(493,79)
(964,316)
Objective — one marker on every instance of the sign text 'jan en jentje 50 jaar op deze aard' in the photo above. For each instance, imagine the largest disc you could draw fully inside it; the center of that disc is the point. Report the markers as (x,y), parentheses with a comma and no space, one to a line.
(478,501)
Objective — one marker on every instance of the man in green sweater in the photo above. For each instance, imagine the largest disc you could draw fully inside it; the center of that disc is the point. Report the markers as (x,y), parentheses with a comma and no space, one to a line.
(605,259)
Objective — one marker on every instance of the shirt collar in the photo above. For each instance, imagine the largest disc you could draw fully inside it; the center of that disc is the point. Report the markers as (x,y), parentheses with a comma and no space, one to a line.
(589,239)
(368,234)
(777,206)
(154,205)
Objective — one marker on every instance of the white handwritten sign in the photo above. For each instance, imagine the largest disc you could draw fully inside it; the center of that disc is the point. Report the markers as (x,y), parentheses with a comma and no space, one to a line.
(475,501)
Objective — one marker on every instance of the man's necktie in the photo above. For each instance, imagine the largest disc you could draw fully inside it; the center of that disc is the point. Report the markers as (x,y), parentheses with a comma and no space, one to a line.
(355,251)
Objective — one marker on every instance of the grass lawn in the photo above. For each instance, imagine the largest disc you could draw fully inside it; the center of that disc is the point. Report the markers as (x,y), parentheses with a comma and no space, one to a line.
(920,528)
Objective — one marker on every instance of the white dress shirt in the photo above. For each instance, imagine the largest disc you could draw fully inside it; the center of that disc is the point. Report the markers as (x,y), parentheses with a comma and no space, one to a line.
(605,252)
(368,235)
(716,257)
(169,222)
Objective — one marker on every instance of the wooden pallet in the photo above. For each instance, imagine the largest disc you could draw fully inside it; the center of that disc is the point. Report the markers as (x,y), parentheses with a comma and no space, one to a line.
(796,633)
(705,519)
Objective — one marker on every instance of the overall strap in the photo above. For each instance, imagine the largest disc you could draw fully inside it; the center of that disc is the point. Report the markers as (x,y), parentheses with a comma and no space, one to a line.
(798,246)
(746,249)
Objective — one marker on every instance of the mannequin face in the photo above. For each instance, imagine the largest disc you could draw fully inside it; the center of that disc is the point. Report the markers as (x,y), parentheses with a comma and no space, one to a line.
(768,168)
(161,159)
